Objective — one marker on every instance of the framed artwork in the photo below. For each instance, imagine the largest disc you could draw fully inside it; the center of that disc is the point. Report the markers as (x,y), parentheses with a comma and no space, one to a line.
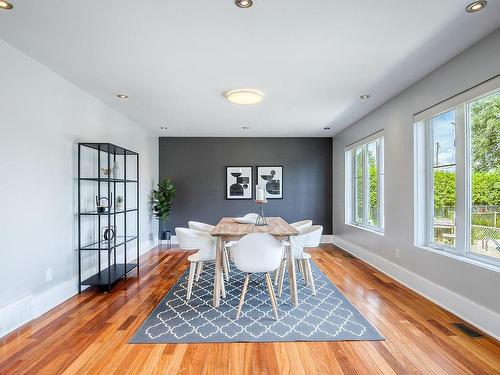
(239,182)
(272,180)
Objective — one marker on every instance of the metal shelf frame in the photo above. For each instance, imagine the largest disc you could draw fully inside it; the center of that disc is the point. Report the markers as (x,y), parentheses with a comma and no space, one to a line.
(105,278)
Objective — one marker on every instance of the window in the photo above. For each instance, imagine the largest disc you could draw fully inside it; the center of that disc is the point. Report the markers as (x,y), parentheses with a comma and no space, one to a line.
(484,169)
(364,183)
(457,173)
(442,133)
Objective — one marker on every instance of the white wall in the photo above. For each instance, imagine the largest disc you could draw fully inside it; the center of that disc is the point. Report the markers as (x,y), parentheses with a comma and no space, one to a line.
(469,283)
(42,118)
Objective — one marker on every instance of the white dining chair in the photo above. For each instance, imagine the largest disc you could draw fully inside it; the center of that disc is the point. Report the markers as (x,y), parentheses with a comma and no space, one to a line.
(191,239)
(299,225)
(257,253)
(308,237)
(197,225)
(251,216)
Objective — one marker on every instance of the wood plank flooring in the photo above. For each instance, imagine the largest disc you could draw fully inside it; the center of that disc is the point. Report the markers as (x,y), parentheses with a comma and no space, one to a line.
(88,334)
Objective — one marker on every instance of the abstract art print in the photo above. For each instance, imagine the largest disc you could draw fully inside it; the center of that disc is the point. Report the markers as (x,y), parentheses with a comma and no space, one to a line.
(239,184)
(272,180)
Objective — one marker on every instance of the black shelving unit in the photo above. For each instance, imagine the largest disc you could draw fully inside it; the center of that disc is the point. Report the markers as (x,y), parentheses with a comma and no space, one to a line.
(106,186)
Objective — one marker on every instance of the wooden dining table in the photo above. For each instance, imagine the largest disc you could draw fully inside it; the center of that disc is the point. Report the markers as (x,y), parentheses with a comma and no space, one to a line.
(229,230)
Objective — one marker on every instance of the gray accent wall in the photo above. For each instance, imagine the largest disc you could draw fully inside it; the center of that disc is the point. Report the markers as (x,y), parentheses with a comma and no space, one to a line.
(198,168)
(480,285)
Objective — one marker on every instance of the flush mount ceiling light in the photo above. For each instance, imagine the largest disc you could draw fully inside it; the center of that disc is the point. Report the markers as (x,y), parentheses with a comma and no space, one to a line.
(5,5)
(364,96)
(476,6)
(244,3)
(122,96)
(244,97)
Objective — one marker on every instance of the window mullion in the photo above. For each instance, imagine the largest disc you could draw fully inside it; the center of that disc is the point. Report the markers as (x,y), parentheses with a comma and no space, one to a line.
(429,235)
(460,180)
(380,192)
(366,188)
(354,186)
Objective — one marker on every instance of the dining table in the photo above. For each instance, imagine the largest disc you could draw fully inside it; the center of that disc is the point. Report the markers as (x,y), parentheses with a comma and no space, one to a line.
(229,230)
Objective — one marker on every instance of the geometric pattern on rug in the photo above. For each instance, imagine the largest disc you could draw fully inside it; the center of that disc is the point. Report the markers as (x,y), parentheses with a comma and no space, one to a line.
(328,316)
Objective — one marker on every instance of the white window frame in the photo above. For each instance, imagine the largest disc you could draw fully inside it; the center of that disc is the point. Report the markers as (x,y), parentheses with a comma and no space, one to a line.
(350,187)
(423,170)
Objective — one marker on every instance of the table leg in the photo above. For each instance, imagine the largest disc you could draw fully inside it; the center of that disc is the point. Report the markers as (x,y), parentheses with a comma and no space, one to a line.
(291,275)
(218,270)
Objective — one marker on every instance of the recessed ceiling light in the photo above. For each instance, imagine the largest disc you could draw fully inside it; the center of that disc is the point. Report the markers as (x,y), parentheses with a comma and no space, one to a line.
(244,3)
(244,97)
(326,128)
(122,96)
(6,5)
(364,96)
(476,6)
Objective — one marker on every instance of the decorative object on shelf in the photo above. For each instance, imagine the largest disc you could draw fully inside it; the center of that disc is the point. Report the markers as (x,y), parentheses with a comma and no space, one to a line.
(106,172)
(260,194)
(101,208)
(239,182)
(119,203)
(117,170)
(162,205)
(272,179)
(108,233)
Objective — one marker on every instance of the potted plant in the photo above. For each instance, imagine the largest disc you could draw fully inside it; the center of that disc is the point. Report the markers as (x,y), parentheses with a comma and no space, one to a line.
(119,203)
(162,204)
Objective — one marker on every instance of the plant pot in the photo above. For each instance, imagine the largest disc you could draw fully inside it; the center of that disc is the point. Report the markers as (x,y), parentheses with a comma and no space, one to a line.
(164,235)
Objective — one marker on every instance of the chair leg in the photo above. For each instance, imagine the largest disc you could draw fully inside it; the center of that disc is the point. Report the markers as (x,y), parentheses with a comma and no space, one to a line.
(310,277)
(282,276)
(226,258)
(192,269)
(305,274)
(277,272)
(199,270)
(242,298)
(271,295)
(224,267)
(301,268)
(222,286)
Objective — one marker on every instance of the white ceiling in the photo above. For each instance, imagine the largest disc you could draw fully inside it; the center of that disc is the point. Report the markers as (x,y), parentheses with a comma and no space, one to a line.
(311,58)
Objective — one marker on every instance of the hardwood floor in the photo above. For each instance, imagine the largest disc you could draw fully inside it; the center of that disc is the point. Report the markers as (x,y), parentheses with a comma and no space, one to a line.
(89,332)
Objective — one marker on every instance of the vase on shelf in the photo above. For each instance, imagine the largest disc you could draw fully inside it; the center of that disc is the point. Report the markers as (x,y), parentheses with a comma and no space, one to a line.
(117,170)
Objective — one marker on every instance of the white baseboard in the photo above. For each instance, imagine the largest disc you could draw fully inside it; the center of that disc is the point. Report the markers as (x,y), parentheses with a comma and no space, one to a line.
(477,315)
(327,238)
(20,312)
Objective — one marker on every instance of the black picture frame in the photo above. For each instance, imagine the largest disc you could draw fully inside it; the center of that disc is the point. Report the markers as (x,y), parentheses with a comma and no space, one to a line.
(229,184)
(258,180)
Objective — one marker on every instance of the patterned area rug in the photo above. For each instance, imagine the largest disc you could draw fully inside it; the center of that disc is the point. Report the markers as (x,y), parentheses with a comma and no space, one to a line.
(328,316)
